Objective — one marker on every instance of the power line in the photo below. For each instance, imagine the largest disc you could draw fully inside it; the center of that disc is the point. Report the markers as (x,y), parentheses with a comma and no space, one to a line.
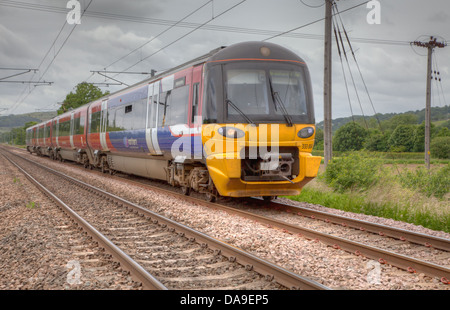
(311,23)
(183,36)
(54,57)
(161,33)
(348,64)
(243,30)
(357,65)
(343,71)
(313,6)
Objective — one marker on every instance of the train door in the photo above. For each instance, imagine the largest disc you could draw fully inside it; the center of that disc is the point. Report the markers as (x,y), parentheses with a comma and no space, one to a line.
(103,125)
(196,112)
(57,132)
(71,130)
(151,133)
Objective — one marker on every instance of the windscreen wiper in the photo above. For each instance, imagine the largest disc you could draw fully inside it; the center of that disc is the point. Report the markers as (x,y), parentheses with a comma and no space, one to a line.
(228,101)
(276,98)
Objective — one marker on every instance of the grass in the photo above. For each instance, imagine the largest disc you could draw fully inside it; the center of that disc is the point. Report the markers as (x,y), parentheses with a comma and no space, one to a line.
(388,198)
(393,157)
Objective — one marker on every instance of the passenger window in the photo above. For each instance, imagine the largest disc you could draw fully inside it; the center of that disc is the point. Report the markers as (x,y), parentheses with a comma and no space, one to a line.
(194,102)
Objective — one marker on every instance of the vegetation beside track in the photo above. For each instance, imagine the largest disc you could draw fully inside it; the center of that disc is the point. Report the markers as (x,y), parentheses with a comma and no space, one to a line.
(405,192)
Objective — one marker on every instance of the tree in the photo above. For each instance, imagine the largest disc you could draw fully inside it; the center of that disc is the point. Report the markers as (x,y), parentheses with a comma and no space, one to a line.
(440,147)
(84,94)
(377,141)
(443,132)
(349,137)
(402,139)
(400,119)
(318,142)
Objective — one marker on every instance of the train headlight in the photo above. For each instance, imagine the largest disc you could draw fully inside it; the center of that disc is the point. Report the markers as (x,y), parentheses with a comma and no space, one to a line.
(231,132)
(305,132)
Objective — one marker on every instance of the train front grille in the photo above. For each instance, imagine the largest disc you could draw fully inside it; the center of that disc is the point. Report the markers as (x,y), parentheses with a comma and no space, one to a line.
(269,165)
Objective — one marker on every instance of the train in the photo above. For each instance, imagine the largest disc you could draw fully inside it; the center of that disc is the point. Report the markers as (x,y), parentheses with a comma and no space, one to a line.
(235,122)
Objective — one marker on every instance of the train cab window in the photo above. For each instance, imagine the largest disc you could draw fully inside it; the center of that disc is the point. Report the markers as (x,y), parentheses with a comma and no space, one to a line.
(211,92)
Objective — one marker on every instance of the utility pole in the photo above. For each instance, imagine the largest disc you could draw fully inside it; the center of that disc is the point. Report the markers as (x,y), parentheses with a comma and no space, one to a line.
(328,148)
(430,45)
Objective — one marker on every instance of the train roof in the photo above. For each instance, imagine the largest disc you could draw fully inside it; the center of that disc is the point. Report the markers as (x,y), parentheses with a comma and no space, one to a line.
(250,50)
(243,50)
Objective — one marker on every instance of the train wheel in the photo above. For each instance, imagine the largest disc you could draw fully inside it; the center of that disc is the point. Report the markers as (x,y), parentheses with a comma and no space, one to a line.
(269,198)
(210,197)
(185,190)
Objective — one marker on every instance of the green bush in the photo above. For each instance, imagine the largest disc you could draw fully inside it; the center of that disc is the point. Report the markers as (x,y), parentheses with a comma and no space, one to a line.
(349,137)
(352,172)
(402,139)
(431,183)
(440,147)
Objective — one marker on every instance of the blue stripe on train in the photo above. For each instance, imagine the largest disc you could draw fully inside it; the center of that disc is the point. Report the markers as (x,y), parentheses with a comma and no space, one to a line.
(130,141)
(134,141)
(189,146)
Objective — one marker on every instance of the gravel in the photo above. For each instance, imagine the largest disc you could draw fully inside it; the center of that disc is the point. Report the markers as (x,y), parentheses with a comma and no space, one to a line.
(40,248)
(333,268)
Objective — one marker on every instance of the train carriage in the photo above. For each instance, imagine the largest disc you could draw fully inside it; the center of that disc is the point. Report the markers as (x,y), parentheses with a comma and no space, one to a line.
(238,122)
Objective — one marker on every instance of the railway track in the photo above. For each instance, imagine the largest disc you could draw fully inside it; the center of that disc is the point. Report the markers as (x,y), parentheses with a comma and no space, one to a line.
(159,252)
(438,270)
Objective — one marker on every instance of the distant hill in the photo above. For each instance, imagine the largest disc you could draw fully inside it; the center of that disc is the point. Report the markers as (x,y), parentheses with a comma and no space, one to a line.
(13,121)
(437,114)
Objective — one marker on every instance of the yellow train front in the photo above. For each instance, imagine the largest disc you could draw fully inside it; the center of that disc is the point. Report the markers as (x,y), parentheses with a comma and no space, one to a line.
(257,123)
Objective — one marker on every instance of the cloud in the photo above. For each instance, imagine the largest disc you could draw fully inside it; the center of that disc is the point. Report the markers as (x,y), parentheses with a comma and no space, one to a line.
(395,75)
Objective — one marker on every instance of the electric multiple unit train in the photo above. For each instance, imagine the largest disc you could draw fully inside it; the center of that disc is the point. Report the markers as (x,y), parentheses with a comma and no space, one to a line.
(236,122)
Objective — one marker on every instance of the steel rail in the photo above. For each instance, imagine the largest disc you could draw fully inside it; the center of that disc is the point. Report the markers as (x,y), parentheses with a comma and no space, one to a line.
(383,256)
(250,261)
(382,230)
(136,270)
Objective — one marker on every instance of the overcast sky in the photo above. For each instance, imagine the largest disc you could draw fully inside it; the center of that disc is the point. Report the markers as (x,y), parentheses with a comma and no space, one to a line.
(394,72)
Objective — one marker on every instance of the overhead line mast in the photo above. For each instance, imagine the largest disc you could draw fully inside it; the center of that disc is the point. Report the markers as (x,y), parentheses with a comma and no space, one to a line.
(430,45)
(327,89)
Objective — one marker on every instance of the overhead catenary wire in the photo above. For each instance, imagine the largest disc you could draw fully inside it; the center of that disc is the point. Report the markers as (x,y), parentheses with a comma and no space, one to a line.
(359,69)
(243,30)
(313,6)
(183,36)
(55,55)
(350,71)
(439,81)
(310,23)
(343,71)
(160,34)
